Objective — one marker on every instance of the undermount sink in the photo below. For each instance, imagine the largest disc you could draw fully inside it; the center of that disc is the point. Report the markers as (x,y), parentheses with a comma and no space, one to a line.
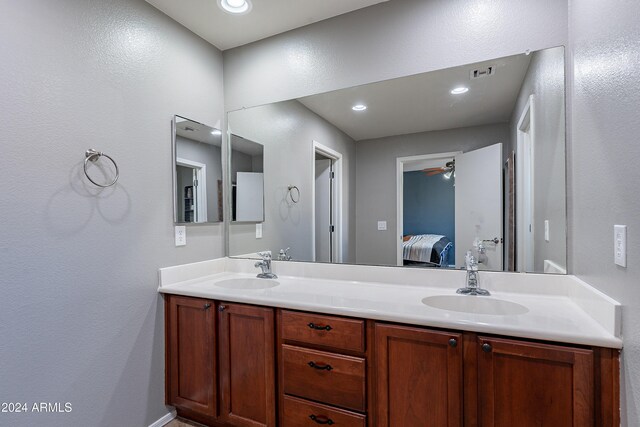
(475,305)
(247,283)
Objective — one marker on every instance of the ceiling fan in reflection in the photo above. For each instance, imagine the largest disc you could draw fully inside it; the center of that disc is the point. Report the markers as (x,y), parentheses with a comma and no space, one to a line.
(447,170)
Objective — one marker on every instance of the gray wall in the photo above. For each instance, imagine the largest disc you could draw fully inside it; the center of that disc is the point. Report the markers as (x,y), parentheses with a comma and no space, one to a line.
(211,156)
(376,181)
(604,158)
(545,80)
(81,320)
(388,40)
(287,131)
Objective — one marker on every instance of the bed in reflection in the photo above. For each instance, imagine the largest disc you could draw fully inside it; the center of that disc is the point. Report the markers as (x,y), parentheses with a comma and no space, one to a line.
(426,250)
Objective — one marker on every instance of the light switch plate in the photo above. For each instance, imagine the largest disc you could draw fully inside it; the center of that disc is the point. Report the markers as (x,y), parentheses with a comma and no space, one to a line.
(620,245)
(382,225)
(259,230)
(546,230)
(181,235)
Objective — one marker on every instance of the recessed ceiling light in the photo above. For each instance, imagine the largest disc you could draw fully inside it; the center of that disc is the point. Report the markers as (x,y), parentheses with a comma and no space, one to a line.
(459,90)
(237,7)
(359,107)
(216,132)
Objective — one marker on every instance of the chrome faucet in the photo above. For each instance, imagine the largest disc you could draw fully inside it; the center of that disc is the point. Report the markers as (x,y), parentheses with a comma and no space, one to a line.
(265,266)
(473,282)
(284,255)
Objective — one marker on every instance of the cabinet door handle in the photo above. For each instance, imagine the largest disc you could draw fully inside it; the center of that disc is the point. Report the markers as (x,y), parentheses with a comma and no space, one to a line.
(321,366)
(320,328)
(221,307)
(321,419)
(206,306)
(453,342)
(486,347)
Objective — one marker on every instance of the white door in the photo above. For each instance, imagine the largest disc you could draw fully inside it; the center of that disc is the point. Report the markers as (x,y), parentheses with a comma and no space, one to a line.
(323,210)
(250,197)
(478,196)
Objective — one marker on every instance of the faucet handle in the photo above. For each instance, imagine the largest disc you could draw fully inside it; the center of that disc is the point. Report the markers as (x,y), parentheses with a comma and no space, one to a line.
(265,255)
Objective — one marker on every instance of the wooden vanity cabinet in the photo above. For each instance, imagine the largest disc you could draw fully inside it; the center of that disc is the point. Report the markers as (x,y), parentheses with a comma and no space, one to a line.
(436,378)
(324,366)
(190,325)
(247,365)
(220,362)
(530,384)
(418,377)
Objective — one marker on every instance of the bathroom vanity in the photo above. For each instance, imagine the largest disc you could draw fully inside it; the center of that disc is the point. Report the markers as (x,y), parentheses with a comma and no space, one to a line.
(386,347)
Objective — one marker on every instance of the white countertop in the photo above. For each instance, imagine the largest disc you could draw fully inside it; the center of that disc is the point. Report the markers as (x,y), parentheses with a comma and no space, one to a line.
(560,308)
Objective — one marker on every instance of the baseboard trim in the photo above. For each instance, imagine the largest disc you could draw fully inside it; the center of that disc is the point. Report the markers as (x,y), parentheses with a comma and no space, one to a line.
(164,420)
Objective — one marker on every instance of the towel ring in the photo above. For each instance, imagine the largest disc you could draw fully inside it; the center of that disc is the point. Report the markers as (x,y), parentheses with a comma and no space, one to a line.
(92,155)
(291,188)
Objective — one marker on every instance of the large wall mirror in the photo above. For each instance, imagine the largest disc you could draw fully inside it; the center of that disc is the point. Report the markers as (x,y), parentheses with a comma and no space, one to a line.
(416,171)
(197,177)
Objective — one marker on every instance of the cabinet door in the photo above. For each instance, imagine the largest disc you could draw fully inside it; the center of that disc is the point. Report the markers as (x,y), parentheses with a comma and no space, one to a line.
(418,377)
(534,385)
(191,357)
(247,365)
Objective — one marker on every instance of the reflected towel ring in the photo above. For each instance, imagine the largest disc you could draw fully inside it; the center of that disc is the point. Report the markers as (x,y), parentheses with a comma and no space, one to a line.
(291,188)
(93,156)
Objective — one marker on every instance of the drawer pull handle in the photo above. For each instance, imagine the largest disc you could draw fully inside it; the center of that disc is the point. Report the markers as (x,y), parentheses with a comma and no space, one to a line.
(321,419)
(319,328)
(206,306)
(486,347)
(321,367)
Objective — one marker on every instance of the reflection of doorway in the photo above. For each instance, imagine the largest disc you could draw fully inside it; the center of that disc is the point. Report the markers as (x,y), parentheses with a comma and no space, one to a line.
(525,189)
(417,164)
(478,204)
(327,204)
(323,208)
(191,180)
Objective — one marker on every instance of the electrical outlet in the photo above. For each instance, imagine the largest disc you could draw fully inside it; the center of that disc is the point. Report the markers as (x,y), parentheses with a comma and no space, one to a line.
(620,245)
(382,225)
(259,230)
(181,235)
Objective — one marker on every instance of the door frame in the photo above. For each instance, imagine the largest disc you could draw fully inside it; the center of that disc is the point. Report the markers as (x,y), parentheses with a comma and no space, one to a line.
(336,240)
(201,189)
(525,248)
(400,162)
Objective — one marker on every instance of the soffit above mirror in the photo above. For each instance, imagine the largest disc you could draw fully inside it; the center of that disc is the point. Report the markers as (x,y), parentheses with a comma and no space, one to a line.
(266,19)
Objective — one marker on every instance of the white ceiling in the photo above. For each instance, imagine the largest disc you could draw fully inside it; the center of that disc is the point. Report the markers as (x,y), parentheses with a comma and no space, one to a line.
(423,102)
(246,146)
(267,17)
(197,132)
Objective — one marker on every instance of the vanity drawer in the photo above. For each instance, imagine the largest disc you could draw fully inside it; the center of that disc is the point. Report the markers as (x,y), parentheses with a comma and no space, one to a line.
(326,377)
(329,331)
(302,413)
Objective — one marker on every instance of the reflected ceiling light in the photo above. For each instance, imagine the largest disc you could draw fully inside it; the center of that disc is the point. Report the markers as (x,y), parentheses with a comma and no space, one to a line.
(216,132)
(237,7)
(459,90)
(359,107)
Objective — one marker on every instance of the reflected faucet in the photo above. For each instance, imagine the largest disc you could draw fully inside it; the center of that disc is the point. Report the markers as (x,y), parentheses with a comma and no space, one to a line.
(284,255)
(265,266)
(473,282)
